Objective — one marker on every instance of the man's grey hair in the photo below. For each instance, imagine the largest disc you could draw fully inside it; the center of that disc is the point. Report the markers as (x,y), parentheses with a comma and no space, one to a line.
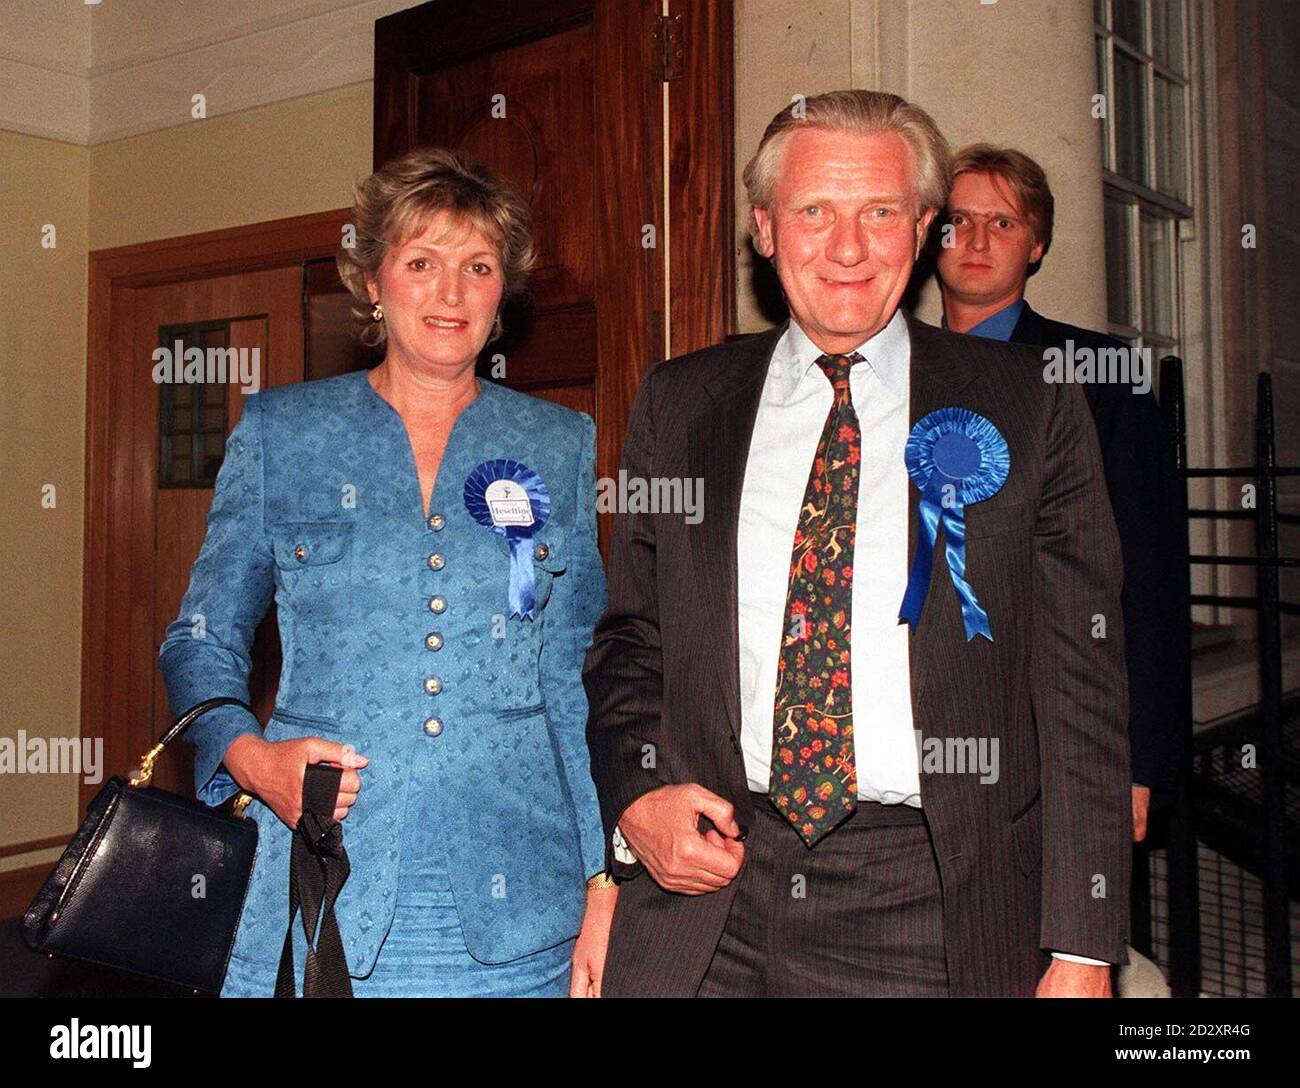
(864,112)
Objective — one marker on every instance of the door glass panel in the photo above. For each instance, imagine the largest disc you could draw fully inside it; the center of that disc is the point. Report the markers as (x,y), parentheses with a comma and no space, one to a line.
(192,410)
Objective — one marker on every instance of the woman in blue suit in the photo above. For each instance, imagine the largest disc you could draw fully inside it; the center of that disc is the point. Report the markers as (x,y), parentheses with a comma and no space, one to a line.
(429,539)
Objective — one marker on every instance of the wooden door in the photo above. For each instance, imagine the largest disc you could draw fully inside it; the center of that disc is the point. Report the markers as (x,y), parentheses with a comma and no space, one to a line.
(179,430)
(563,98)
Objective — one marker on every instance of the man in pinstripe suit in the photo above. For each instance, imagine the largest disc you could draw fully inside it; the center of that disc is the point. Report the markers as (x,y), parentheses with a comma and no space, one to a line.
(803,795)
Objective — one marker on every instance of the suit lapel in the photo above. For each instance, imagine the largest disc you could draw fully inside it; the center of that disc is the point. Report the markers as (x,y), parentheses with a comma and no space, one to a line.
(718,449)
(938,375)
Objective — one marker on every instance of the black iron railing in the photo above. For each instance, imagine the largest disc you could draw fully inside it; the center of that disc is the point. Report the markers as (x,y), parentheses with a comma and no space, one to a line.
(1245,819)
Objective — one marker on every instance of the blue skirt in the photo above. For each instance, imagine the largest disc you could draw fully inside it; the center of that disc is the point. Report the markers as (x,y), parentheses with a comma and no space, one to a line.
(424,953)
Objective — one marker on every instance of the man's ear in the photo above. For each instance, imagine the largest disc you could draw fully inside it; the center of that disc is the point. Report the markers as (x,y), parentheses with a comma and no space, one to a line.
(765,243)
(1036,253)
(923,230)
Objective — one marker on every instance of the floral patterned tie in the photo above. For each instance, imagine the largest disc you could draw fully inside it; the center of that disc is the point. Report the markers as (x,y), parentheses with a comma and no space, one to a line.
(814,778)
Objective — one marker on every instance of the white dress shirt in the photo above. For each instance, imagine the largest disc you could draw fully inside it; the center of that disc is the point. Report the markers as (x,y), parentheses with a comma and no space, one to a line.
(795,401)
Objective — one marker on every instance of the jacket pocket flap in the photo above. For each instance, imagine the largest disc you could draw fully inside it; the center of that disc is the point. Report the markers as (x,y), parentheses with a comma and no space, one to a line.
(549,553)
(309,544)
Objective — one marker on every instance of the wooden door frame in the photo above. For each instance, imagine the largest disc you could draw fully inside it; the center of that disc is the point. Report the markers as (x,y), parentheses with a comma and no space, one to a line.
(701,176)
(116,541)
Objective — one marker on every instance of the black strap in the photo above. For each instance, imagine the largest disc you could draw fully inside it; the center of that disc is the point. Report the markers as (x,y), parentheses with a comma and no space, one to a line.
(318,869)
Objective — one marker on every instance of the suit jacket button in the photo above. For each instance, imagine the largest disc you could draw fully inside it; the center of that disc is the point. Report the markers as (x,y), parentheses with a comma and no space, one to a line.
(541,551)
(436,522)
(437,604)
(300,553)
(433,685)
(433,727)
(434,641)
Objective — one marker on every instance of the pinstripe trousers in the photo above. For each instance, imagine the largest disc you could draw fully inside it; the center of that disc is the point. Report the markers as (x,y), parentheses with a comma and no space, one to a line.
(858,915)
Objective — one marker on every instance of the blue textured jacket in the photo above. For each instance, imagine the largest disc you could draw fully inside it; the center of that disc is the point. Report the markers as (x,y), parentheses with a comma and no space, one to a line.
(318,507)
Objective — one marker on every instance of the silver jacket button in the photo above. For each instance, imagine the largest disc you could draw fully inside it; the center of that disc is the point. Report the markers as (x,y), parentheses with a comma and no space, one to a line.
(436,561)
(436,522)
(437,604)
(300,553)
(434,641)
(433,726)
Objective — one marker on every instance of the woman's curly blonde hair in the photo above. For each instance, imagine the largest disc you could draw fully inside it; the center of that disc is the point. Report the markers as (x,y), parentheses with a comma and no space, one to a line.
(396,203)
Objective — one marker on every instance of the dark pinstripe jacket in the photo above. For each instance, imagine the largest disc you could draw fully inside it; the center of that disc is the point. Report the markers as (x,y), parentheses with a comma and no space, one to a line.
(1038,860)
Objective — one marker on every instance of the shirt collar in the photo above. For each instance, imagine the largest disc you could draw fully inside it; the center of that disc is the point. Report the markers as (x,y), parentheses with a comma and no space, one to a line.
(998,326)
(888,354)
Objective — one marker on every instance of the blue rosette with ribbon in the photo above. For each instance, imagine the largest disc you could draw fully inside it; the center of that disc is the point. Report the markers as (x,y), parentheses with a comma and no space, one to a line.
(510,499)
(956,457)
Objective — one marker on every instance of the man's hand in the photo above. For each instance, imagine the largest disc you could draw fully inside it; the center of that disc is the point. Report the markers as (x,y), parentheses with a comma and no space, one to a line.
(1066,979)
(1141,806)
(662,829)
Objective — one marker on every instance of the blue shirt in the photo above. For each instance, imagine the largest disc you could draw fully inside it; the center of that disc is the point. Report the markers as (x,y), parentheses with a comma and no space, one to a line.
(998,326)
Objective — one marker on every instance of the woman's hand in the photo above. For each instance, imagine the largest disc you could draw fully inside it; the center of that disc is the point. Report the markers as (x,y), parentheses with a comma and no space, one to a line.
(274,770)
(593,939)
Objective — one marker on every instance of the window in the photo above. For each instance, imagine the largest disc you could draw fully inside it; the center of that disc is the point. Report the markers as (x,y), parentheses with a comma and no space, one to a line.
(191,414)
(1142,67)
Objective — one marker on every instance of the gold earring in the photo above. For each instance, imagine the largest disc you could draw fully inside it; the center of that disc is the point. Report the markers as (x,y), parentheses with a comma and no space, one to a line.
(377,311)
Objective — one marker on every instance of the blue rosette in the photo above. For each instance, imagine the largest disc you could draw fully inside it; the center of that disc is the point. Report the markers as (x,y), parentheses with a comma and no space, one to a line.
(510,499)
(956,457)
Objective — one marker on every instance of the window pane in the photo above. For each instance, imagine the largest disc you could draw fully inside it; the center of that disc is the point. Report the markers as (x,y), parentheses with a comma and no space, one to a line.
(1119,289)
(191,415)
(1167,33)
(214,411)
(1157,275)
(1128,22)
(1130,118)
(1171,140)
(214,449)
(1101,90)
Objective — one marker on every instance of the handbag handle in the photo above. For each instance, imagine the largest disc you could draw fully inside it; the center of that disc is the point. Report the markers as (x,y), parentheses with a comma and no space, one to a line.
(142,775)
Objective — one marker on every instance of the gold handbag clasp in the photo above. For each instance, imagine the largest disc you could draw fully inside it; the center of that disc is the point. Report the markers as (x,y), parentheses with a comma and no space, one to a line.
(143,775)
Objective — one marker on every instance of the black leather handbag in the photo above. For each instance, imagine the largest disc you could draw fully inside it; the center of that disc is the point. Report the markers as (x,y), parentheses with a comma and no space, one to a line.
(151,883)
